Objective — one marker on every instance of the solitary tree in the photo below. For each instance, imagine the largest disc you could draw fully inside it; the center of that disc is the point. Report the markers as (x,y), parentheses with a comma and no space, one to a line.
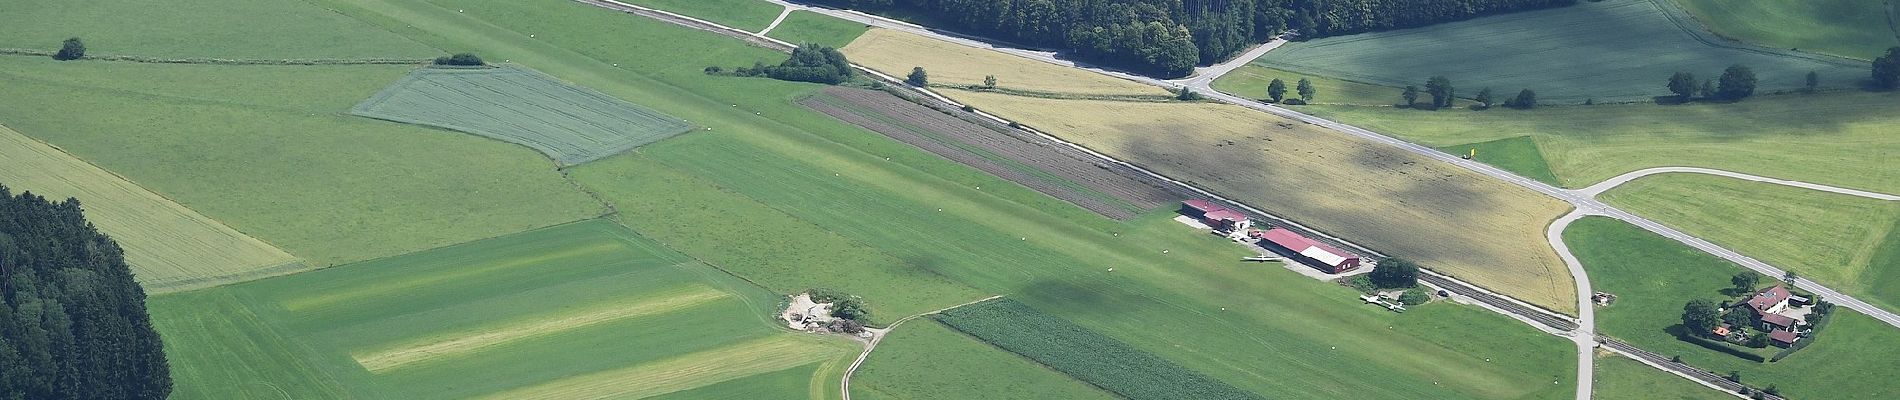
(1745,281)
(1814,81)
(1440,89)
(71,49)
(1276,90)
(989,81)
(1395,273)
(1525,100)
(1683,85)
(1699,317)
(1410,95)
(1306,90)
(1484,98)
(1887,70)
(918,77)
(1789,277)
(1736,83)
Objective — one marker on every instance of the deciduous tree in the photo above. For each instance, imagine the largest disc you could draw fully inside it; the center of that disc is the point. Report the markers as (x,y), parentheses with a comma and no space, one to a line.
(1683,85)
(1484,98)
(1395,273)
(1525,100)
(1886,70)
(1439,87)
(71,49)
(918,77)
(1736,83)
(1306,90)
(1276,90)
(1410,96)
(1745,281)
(1700,317)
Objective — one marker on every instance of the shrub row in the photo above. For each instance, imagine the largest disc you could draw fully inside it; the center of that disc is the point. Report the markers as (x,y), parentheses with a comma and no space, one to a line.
(1084,354)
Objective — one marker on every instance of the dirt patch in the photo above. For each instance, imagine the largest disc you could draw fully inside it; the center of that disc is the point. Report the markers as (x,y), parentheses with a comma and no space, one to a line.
(1047,167)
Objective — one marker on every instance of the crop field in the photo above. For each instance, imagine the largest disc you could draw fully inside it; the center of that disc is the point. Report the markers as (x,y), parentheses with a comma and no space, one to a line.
(1631,47)
(265,29)
(1621,378)
(1841,139)
(1829,238)
(750,15)
(927,360)
(580,310)
(995,149)
(572,125)
(170,247)
(1860,29)
(1359,191)
(271,152)
(802,27)
(895,53)
(1082,353)
(1653,277)
(1251,80)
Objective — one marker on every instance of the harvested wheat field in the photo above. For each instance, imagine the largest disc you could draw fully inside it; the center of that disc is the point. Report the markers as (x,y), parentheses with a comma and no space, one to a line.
(1449,219)
(169,247)
(895,53)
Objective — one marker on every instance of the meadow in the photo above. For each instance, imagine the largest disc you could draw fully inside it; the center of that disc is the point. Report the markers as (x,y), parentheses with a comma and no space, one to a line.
(1653,277)
(802,27)
(1081,353)
(750,15)
(990,237)
(1251,81)
(895,53)
(1518,155)
(896,369)
(1837,138)
(1621,378)
(271,152)
(572,125)
(1830,238)
(1394,202)
(169,247)
(1631,48)
(584,309)
(260,29)
(1859,29)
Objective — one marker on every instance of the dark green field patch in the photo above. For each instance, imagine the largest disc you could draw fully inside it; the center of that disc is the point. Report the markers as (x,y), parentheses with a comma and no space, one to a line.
(1082,353)
(802,27)
(1885,269)
(570,124)
(1518,155)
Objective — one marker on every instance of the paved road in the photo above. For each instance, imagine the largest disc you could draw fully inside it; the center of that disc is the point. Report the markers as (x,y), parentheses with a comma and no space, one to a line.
(1601,187)
(775,21)
(1586,312)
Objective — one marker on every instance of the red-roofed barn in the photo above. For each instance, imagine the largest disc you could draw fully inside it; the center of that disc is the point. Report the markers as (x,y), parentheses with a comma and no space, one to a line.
(1326,258)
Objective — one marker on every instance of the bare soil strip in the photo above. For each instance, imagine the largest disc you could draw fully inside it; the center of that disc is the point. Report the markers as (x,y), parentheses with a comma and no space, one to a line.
(1027,160)
(774,353)
(438,347)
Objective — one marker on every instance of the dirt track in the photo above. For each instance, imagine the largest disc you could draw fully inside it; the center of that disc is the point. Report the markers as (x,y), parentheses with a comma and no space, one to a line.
(1027,160)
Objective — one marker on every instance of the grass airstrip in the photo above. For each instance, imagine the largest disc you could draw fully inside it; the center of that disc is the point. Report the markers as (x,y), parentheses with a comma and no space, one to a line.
(580,310)
(1631,47)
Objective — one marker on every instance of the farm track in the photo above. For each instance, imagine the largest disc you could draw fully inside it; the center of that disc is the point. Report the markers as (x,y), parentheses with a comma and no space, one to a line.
(959,139)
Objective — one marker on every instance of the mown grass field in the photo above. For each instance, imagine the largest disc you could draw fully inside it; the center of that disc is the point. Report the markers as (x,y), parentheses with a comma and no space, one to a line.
(1518,155)
(1617,50)
(1829,238)
(270,151)
(1653,277)
(895,53)
(750,15)
(572,125)
(1398,203)
(581,310)
(1848,28)
(896,370)
(1251,81)
(1082,353)
(265,29)
(1840,138)
(991,237)
(802,27)
(1621,378)
(169,247)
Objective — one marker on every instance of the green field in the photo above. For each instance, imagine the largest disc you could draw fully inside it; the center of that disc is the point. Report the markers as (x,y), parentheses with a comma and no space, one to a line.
(169,247)
(1830,238)
(1616,50)
(926,360)
(1082,353)
(1621,378)
(1518,155)
(270,151)
(1251,81)
(262,29)
(809,27)
(1841,139)
(585,309)
(572,125)
(750,15)
(1653,277)
(1849,28)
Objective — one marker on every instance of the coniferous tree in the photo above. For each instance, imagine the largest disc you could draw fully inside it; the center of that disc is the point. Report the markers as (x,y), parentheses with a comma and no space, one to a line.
(1525,100)
(1276,90)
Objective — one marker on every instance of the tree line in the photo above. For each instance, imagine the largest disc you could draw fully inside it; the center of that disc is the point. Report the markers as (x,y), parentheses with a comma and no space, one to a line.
(1169,37)
(811,62)
(73,322)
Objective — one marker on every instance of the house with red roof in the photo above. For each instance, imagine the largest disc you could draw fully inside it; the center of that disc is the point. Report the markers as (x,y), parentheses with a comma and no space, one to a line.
(1220,218)
(1769,301)
(1783,339)
(1308,251)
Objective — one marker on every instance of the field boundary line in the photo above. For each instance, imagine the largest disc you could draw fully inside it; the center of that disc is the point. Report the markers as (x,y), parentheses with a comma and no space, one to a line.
(1701,32)
(844,385)
(226,61)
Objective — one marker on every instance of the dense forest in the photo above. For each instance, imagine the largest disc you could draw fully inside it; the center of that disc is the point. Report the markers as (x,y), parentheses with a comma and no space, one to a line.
(1169,37)
(73,325)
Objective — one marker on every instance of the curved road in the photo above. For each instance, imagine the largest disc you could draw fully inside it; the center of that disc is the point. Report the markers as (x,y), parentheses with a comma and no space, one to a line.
(1619,180)
(1585,334)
